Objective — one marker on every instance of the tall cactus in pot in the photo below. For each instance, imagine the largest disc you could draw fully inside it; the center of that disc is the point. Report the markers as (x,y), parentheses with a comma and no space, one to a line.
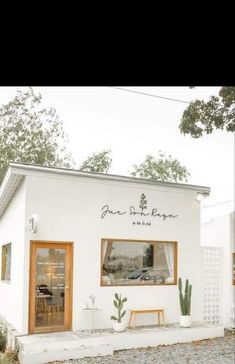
(118,303)
(185,299)
(117,321)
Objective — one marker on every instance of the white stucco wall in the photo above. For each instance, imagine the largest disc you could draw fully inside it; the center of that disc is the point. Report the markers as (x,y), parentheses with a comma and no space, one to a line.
(216,232)
(12,230)
(219,232)
(232,250)
(69,209)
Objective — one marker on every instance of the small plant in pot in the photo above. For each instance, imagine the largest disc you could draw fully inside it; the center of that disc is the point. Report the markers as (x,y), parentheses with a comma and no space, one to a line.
(118,323)
(185,303)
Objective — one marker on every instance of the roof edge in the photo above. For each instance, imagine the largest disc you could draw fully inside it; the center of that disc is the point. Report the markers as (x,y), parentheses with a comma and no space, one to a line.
(104,176)
(8,187)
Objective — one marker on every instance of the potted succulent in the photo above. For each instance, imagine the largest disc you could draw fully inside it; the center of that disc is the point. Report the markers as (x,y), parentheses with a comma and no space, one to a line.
(185,303)
(119,324)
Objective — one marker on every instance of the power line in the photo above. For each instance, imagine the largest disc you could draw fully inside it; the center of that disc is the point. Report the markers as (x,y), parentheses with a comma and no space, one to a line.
(151,95)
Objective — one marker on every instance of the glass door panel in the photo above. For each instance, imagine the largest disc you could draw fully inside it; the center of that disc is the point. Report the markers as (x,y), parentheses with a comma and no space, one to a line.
(50,284)
(50,288)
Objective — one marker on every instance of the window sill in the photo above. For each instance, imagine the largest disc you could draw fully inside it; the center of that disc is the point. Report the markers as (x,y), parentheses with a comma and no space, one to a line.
(139,285)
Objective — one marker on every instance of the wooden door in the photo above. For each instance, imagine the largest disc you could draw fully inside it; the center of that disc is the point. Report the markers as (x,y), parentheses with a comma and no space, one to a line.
(50,288)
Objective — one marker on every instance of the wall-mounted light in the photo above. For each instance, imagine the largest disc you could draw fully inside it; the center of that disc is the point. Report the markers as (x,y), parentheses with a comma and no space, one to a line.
(201,196)
(33,224)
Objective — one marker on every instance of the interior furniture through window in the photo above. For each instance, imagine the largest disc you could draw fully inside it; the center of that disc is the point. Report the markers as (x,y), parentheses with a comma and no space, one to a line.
(138,262)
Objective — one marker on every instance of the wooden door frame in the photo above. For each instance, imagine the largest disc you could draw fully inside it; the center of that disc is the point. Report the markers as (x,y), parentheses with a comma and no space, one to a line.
(69,278)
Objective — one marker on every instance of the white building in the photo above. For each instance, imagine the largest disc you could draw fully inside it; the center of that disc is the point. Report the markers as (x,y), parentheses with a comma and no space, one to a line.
(66,235)
(218,232)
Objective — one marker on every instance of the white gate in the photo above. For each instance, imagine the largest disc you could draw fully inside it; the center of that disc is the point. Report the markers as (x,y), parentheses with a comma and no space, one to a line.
(212,277)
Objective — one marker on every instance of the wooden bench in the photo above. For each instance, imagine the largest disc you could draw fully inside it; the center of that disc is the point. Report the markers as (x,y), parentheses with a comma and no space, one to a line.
(158,311)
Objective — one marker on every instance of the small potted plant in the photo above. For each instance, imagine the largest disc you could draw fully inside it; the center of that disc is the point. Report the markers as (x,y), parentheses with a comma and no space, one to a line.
(119,324)
(92,298)
(185,303)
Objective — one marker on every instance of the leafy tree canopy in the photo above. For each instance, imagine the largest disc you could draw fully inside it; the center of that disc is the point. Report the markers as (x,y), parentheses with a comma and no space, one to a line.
(31,134)
(163,168)
(97,162)
(203,117)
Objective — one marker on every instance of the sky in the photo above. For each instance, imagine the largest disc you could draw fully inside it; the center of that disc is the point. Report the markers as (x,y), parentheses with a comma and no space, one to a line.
(133,125)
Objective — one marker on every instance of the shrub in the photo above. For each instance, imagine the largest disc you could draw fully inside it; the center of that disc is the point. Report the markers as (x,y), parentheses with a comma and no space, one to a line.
(2,341)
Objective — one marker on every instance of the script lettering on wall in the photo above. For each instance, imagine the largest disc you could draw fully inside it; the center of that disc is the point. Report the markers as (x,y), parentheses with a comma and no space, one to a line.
(140,212)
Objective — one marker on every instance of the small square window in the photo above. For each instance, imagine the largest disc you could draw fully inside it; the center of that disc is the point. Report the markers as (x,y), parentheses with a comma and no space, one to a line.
(6,263)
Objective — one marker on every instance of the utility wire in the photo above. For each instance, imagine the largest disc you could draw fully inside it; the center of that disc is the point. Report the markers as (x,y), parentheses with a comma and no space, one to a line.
(151,95)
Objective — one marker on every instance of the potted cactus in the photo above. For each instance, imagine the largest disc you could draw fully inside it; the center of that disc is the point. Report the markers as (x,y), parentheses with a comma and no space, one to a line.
(119,324)
(185,303)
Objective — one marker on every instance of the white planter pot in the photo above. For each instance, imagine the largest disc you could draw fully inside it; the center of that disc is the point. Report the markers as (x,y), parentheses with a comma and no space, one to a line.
(185,321)
(119,326)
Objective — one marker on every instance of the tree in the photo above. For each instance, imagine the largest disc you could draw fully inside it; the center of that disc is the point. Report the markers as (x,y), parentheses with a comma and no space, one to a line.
(203,117)
(31,134)
(97,162)
(164,168)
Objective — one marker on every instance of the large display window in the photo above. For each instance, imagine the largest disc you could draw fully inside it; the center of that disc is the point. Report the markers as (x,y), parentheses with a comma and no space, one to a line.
(138,262)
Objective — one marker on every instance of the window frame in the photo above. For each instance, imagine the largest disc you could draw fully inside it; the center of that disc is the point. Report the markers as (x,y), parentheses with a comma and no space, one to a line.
(155,242)
(3,267)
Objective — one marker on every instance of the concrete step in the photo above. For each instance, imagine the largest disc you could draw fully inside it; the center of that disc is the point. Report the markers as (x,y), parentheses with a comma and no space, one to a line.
(58,339)
(48,355)
(161,336)
(43,348)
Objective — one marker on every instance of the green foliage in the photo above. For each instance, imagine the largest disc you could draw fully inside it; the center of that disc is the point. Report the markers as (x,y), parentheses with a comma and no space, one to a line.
(2,340)
(163,168)
(185,300)
(97,162)
(31,134)
(10,357)
(203,117)
(5,360)
(118,303)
